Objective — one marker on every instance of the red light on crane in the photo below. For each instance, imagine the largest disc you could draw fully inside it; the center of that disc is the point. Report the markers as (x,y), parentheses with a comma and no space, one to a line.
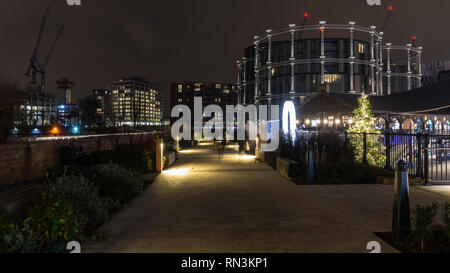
(414,38)
(321,28)
(391,8)
(305,15)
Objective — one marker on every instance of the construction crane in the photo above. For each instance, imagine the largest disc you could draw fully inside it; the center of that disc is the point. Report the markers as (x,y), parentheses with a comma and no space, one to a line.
(387,18)
(42,69)
(34,63)
(305,18)
(414,39)
(36,67)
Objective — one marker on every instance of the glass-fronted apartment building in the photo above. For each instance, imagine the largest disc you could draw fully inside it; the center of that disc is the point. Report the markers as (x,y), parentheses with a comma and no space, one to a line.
(136,102)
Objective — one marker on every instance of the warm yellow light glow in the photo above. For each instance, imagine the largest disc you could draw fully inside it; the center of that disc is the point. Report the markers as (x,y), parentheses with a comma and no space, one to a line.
(338,121)
(186,151)
(177,172)
(247,157)
(55,130)
(205,144)
(235,146)
(307,121)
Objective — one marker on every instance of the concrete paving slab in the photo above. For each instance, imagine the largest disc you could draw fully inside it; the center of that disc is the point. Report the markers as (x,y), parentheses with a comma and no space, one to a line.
(236,204)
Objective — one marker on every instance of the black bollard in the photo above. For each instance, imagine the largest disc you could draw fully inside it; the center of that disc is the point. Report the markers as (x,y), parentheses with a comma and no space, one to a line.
(401,221)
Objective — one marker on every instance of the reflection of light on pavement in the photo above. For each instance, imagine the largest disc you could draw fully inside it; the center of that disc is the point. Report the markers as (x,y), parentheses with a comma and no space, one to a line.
(205,144)
(247,157)
(186,151)
(235,146)
(177,172)
(441,189)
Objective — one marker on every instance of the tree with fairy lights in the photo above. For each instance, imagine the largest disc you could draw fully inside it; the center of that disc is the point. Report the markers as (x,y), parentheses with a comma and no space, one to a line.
(365,122)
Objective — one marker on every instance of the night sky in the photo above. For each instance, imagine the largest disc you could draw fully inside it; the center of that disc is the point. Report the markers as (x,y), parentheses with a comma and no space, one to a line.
(168,41)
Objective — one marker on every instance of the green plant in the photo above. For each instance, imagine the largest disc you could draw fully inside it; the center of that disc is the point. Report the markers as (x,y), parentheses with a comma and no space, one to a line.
(446,220)
(53,222)
(446,215)
(131,157)
(423,217)
(21,239)
(116,182)
(149,162)
(4,227)
(83,195)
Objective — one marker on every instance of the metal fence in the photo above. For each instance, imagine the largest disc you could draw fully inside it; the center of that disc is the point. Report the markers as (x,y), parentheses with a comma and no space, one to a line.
(437,153)
(426,156)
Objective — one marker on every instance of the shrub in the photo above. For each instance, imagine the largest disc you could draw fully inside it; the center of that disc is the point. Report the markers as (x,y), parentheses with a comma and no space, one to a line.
(20,239)
(334,161)
(131,157)
(55,172)
(328,146)
(83,195)
(4,228)
(117,183)
(423,217)
(54,222)
(15,239)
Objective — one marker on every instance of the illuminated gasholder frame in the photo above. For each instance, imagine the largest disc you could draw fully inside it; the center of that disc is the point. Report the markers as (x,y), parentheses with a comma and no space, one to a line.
(378,71)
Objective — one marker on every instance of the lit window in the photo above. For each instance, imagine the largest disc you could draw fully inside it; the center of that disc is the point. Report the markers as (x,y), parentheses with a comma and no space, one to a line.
(331,78)
(361,48)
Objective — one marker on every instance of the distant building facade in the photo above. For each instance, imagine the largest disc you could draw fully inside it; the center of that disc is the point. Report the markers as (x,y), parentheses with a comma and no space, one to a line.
(422,110)
(136,102)
(35,108)
(221,94)
(103,111)
(435,71)
(67,112)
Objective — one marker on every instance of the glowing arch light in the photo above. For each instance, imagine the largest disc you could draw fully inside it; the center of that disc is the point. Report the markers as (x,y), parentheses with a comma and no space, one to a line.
(289,118)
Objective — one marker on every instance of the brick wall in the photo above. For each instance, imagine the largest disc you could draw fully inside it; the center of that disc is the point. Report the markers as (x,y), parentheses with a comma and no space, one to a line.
(27,161)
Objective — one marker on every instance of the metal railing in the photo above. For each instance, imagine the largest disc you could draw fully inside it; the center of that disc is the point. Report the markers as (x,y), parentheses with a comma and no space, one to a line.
(426,156)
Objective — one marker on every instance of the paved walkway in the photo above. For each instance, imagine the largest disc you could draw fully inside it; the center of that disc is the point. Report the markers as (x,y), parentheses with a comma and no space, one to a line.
(202,204)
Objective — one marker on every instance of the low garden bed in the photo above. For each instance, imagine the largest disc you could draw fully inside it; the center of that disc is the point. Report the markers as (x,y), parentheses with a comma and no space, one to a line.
(75,200)
(430,234)
(334,161)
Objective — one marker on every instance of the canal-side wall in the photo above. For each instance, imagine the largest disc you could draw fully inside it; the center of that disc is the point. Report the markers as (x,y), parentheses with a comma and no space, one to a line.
(22,161)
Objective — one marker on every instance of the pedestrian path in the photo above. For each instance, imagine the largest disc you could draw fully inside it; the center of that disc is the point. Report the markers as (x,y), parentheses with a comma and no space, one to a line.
(235,204)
